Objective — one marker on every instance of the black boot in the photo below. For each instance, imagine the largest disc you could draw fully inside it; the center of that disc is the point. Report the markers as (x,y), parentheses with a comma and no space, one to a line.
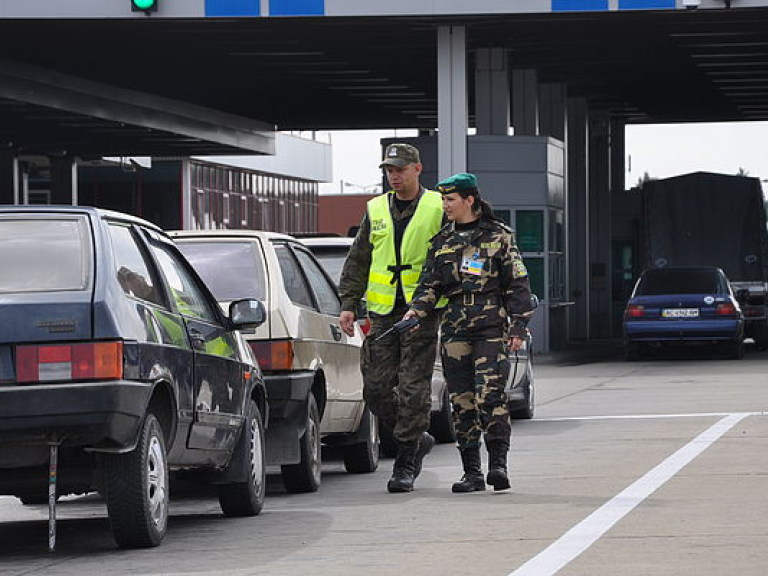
(426,443)
(472,481)
(497,464)
(404,467)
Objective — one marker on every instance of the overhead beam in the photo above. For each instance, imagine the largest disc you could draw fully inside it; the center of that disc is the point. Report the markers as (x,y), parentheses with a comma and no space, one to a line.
(51,89)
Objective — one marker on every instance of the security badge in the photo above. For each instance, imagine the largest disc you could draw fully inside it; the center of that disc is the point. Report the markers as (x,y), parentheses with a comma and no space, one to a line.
(473,265)
(392,152)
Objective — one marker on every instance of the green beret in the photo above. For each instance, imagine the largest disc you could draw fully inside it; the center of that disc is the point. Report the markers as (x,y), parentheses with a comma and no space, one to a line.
(462,182)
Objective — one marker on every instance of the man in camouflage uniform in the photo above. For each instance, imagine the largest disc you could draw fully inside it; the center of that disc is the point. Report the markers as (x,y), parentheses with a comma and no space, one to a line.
(384,265)
(474,262)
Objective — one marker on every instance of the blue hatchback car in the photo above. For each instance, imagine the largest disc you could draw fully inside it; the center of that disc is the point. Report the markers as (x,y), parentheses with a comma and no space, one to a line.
(683,305)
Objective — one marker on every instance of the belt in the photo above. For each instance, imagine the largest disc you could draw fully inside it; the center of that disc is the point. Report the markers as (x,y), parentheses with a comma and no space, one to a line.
(473,299)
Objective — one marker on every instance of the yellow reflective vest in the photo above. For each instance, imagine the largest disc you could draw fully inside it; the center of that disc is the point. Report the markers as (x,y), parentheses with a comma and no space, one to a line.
(382,280)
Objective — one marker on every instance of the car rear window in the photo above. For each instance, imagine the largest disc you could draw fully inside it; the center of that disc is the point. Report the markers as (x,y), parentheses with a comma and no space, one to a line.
(44,254)
(232,270)
(679,282)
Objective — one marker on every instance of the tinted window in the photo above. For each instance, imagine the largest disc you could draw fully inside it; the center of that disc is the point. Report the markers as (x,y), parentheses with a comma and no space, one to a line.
(187,293)
(294,281)
(44,254)
(231,270)
(130,266)
(679,282)
(325,293)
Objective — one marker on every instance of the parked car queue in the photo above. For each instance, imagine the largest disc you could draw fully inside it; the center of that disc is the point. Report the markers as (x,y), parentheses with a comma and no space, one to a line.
(145,356)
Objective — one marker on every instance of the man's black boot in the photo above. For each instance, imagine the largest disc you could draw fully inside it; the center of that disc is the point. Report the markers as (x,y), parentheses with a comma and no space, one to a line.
(426,443)
(472,481)
(497,464)
(402,471)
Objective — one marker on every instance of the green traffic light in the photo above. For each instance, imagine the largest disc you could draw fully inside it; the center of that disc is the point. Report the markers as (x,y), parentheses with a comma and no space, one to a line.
(145,4)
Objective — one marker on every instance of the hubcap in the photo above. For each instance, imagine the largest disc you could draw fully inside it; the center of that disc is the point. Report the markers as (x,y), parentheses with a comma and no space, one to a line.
(157,483)
(257,464)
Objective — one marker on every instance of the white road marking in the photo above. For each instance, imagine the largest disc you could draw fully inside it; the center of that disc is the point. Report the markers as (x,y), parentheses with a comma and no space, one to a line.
(649,416)
(588,531)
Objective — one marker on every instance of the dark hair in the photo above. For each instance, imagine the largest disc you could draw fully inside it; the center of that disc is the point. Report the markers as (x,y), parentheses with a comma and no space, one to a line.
(480,206)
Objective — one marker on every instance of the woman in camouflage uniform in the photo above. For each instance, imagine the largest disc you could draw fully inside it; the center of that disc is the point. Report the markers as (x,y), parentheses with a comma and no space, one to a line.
(474,262)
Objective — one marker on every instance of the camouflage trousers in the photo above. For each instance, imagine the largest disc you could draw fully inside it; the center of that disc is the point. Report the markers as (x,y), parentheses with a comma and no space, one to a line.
(397,375)
(475,369)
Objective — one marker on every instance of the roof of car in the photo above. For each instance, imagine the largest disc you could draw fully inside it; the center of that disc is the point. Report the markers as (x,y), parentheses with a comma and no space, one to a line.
(68,209)
(328,241)
(229,234)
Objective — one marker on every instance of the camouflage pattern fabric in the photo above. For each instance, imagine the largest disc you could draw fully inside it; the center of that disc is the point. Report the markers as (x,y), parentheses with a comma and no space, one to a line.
(397,374)
(481,272)
(475,372)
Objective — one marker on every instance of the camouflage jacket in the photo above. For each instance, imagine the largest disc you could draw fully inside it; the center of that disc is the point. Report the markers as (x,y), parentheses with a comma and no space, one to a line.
(481,273)
(354,275)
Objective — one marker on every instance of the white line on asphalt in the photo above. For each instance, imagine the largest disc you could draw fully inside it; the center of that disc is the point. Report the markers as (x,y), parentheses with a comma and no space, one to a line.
(588,531)
(649,416)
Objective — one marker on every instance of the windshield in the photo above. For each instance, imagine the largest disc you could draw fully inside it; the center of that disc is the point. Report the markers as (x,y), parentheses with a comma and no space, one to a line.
(232,270)
(44,254)
(688,281)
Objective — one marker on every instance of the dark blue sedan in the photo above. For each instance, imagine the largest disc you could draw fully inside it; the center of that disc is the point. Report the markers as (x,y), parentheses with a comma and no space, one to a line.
(683,305)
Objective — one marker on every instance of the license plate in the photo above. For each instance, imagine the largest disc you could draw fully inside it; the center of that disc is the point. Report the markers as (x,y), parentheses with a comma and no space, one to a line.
(680,312)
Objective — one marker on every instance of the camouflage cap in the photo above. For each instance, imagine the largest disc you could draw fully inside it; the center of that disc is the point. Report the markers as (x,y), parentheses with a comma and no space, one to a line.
(462,182)
(400,155)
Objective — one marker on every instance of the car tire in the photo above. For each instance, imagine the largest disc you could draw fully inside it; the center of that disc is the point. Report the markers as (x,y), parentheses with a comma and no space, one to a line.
(529,405)
(247,498)
(305,476)
(737,350)
(363,458)
(136,489)
(441,421)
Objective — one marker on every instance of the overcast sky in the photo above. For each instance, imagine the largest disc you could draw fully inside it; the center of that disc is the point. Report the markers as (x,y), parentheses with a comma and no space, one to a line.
(662,150)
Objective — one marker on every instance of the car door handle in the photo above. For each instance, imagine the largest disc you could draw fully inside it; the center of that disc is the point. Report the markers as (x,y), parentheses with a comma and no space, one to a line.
(336,331)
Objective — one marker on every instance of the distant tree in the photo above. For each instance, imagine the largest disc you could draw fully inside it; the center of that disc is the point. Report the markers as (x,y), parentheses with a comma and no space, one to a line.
(643,180)
(742,172)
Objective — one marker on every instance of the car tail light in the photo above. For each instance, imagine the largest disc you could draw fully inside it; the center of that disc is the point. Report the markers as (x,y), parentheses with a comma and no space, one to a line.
(273,355)
(83,361)
(725,309)
(634,311)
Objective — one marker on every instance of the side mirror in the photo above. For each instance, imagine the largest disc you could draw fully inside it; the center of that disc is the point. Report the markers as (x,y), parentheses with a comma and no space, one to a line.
(247,313)
(534,301)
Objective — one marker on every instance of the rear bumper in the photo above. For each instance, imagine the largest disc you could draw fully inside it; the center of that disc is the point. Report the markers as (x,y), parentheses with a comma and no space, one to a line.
(97,415)
(287,395)
(681,330)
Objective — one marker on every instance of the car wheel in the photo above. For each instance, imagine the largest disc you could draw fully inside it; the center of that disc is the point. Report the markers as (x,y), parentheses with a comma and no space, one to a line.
(136,489)
(441,422)
(247,498)
(528,409)
(305,476)
(363,458)
(737,350)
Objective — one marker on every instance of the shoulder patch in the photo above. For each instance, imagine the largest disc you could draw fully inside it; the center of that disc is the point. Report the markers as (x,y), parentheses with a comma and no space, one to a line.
(490,245)
(444,251)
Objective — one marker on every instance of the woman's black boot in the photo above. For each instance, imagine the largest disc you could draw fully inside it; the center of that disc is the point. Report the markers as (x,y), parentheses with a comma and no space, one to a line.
(472,481)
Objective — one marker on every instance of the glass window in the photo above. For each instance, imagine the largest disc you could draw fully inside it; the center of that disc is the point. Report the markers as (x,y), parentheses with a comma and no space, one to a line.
(327,298)
(240,276)
(131,267)
(188,295)
(294,281)
(680,281)
(556,238)
(44,254)
(504,215)
(535,268)
(529,228)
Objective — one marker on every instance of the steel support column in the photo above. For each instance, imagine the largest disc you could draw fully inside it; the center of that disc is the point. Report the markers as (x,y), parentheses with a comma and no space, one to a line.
(452,120)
